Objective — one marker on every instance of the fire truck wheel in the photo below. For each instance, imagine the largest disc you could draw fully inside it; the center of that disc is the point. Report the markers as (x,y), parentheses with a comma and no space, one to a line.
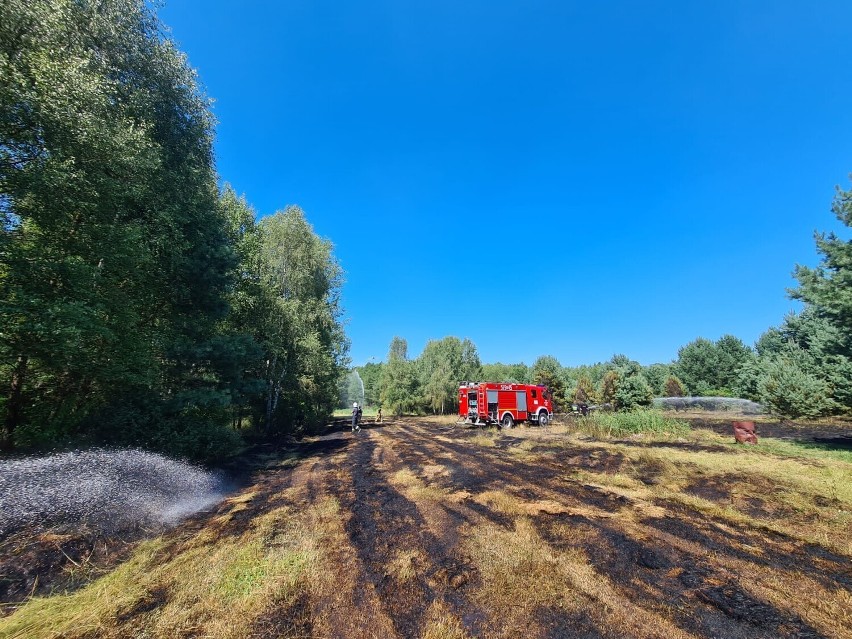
(543,418)
(508,422)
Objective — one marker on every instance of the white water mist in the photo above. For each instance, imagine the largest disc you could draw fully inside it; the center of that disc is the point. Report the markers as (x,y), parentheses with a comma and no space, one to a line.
(102,490)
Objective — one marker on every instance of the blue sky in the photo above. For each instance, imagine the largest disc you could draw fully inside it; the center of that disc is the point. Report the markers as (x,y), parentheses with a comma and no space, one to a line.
(575,179)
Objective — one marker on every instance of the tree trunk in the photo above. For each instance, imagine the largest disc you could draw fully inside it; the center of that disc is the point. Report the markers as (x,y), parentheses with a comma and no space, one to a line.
(14,404)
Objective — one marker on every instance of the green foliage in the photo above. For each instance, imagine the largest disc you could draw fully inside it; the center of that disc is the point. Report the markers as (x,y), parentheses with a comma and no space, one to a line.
(371,375)
(547,370)
(703,365)
(441,367)
(399,383)
(810,345)
(115,261)
(584,391)
(301,331)
(719,392)
(748,378)
(788,390)
(828,288)
(639,421)
(730,355)
(609,387)
(138,305)
(510,373)
(593,372)
(657,375)
(633,391)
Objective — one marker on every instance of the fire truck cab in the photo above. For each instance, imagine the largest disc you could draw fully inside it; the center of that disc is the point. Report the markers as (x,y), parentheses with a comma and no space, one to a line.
(486,403)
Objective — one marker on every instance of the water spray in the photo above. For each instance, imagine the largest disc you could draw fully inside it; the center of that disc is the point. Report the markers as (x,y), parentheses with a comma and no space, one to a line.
(104,491)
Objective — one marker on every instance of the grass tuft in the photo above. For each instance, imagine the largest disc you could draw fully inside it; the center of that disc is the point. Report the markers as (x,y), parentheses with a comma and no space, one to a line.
(635,422)
(442,624)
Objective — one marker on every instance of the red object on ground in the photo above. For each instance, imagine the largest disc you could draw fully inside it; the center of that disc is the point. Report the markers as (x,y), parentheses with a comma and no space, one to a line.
(744,432)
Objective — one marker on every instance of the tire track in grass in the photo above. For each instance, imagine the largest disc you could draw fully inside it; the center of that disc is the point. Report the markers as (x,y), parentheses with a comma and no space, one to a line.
(403,561)
(628,552)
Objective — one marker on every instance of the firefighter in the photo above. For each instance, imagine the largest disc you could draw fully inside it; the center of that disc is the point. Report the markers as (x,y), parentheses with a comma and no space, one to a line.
(379,416)
(356,417)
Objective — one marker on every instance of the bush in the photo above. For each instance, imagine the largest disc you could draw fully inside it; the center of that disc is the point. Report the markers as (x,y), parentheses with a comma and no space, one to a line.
(673,387)
(789,391)
(633,391)
(719,392)
(608,387)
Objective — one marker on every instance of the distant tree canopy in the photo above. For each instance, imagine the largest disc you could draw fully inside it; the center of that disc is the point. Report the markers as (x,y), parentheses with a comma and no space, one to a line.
(706,367)
(399,383)
(138,304)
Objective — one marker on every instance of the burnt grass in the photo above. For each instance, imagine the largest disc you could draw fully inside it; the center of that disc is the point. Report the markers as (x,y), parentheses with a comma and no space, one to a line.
(678,581)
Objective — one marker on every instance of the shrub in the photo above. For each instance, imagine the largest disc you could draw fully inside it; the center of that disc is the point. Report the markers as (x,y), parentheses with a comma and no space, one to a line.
(633,391)
(789,391)
(585,391)
(609,386)
(719,392)
(673,387)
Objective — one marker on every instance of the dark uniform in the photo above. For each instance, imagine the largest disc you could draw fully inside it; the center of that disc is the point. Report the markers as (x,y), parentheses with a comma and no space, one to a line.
(356,417)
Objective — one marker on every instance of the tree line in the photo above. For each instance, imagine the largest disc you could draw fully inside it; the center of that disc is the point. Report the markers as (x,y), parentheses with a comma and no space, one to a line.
(141,304)
(801,368)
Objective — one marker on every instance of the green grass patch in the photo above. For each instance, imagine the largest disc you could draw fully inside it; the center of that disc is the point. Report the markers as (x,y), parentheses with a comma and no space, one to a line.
(635,422)
(779,447)
(813,450)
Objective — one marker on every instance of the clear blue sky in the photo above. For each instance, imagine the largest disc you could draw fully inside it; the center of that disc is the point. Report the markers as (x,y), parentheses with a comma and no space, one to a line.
(568,178)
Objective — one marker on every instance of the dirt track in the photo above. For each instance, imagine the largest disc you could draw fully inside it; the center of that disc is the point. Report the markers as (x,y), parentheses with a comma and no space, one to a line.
(423,506)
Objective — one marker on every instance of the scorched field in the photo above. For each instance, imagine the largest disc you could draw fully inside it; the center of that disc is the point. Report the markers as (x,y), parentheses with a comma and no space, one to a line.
(420,528)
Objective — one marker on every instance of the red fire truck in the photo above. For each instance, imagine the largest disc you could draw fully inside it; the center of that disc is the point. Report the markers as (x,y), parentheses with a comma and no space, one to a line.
(504,404)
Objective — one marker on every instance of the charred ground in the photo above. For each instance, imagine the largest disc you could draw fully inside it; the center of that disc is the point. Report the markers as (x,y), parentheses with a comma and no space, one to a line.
(421,529)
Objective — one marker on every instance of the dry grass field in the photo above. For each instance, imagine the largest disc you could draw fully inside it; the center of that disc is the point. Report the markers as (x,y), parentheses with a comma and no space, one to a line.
(421,528)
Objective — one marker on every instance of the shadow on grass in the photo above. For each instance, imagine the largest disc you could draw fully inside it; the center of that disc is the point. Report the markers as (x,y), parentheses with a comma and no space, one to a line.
(829,444)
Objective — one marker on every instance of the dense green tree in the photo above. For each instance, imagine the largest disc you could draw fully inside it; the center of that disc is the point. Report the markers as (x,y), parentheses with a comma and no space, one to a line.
(657,374)
(633,391)
(115,262)
(828,288)
(593,372)
(788,389)
(441,367)
(371,374)
(609,387)
(748,378)
(731,353)
(303,339)
(399,382)
(471,365)
(808,343)
(251,302)
(707,367)
(548,371)
(621,362)
(584,391)
(510,373)
(696,365)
